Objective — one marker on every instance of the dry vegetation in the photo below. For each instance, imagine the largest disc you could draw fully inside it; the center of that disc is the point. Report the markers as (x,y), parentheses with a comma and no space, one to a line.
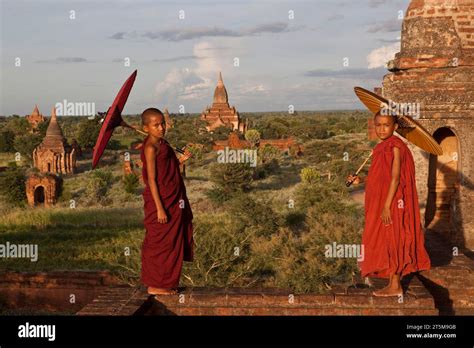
(272,233)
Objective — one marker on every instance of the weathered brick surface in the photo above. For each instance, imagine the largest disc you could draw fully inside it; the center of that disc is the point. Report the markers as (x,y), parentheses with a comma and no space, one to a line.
(241,301)
(435,68)
(451,279)
(52,291)
(112,301)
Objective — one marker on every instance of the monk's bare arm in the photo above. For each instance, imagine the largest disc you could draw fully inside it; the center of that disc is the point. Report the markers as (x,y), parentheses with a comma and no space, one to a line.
(394,182)
(150,155)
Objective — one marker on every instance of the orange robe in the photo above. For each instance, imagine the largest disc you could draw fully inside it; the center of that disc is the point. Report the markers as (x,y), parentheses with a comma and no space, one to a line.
(166,246)
(399,247)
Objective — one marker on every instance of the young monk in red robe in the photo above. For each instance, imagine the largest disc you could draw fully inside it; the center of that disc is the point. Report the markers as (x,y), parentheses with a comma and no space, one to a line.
(393,239)
(168,216)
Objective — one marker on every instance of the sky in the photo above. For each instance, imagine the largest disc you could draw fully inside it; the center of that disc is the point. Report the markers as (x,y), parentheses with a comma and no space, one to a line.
(272,54)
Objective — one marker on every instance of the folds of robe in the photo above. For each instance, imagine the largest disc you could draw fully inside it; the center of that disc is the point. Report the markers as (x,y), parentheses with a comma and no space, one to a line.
(398,247)
(166,246)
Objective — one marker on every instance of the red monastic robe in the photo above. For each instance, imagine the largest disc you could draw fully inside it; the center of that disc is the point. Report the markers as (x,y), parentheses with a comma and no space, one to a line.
(399,247)
(166,245)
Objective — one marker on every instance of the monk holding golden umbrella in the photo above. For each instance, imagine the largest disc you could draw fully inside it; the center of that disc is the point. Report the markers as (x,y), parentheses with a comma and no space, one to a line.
(393,239)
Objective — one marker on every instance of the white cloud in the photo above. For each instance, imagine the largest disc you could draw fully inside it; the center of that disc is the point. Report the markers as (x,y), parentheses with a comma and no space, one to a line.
(195,83)
(260,88)
(380,56)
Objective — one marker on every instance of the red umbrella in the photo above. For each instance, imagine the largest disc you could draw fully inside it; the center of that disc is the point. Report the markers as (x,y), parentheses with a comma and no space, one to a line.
(114,119)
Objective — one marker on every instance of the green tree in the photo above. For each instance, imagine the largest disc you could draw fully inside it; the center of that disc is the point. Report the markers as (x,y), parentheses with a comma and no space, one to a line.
(7,138)
(41,129)
(88,133)
(221,133)
(25,144)
(228,179)
(232,177)
(12,186)
(18,125)
(267,153)
(98,184)
(253,137)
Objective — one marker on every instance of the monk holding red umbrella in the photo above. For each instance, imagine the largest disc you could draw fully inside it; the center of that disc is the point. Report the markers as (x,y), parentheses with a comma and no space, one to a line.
(168,216)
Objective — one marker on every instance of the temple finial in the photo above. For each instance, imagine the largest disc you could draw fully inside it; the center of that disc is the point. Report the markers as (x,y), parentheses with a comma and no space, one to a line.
(220,82)
(53,113)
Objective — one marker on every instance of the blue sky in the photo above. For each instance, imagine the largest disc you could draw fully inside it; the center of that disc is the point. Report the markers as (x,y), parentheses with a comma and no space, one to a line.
(282,61)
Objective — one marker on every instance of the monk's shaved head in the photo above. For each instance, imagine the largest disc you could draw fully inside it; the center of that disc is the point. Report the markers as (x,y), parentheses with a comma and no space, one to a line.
(393,118)
(148,113)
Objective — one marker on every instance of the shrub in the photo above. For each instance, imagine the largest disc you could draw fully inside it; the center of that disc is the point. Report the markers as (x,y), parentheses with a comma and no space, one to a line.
(232,177)
(98,184)
(25,144)
(18,125)
(268,153)
(114,144)
(217,195)
(310,175)
(266,169)
(7,138)
(253,137)
(328,194)
(12,186)
(130,183)
(87,133)
(222,256)
(251,215)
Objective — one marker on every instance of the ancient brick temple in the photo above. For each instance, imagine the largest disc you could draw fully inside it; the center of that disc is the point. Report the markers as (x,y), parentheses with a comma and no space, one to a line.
(35,118)
(52,158)
(435,68)
(221,113)
(42,189)
(54,155)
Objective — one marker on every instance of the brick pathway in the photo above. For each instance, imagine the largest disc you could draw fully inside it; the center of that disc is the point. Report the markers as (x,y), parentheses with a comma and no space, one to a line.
(447,289)
(451,279)
(242,301)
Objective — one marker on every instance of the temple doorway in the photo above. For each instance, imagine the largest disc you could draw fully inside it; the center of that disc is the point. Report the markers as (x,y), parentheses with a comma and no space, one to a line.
(39,195)
(443,182)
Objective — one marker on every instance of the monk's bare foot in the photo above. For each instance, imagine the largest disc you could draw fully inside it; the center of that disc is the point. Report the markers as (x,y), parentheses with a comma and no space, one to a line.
(388,291)
(161,291)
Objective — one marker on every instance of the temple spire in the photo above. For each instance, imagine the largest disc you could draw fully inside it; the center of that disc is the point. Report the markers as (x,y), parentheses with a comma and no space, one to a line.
(53,114)
(53,128)
(220,93)
(221,113)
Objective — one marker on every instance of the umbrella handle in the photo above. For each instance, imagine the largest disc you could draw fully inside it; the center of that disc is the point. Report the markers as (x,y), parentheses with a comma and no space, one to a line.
(124,124)
(139,131)
(349,182)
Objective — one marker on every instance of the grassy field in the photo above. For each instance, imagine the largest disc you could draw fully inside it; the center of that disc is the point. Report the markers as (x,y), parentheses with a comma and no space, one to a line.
(9,157)
(254,239)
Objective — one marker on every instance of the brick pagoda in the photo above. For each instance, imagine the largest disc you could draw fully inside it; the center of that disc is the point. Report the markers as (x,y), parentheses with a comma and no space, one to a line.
(221,113)
(35,118)
(52,158)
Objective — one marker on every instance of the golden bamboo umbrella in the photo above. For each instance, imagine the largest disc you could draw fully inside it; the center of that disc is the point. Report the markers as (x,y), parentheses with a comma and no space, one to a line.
(408,128)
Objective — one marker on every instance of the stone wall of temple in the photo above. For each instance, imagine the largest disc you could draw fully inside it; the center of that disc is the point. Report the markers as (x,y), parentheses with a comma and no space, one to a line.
(435,70)
(42,189)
